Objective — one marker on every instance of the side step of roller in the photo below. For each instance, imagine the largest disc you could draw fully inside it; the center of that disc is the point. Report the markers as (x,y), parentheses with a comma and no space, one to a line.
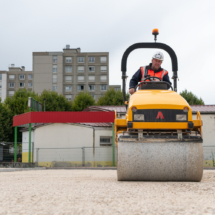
(160,161)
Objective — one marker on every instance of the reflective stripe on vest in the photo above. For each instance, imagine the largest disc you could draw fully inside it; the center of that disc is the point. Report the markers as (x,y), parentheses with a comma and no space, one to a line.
(145,72)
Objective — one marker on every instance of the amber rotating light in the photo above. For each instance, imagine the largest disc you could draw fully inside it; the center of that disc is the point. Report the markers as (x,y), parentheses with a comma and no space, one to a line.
(155,32)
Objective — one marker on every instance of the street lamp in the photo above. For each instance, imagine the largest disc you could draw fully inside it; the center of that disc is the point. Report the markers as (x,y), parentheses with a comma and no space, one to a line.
(44,104)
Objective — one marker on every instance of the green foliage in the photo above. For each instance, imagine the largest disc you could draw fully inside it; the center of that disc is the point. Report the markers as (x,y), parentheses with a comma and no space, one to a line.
(18,103)
(112,97)
(191,98)
(82,101)
(54,101)
(6,121)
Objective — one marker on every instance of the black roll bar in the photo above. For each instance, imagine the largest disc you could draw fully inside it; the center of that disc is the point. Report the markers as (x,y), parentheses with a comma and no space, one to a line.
(163,46)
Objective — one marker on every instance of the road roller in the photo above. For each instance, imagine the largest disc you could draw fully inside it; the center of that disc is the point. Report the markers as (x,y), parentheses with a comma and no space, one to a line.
(158,140)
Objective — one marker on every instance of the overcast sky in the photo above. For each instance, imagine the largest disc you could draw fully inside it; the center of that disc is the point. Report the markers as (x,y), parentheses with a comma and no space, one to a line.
(188,26)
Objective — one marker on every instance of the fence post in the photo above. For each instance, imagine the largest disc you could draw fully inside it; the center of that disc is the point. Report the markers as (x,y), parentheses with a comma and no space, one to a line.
(29,145)
(37,156)
(83,157)
(113,143)
(15,145)
(32,152)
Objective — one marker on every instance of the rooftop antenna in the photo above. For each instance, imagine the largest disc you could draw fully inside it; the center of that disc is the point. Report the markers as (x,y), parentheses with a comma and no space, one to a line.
(155,32)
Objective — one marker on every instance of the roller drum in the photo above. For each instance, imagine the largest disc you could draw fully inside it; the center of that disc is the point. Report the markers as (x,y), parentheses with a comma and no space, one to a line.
(159,161)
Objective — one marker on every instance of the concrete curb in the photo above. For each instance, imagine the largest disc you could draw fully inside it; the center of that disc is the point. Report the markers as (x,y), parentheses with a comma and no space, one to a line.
(209,168)
(20,169)
(102,168)
(85,168)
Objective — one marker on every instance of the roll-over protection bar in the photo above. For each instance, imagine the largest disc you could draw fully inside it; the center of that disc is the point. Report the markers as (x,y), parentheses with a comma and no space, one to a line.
(163,46)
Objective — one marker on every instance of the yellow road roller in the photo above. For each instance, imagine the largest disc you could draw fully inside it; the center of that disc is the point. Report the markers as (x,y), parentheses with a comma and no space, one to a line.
(158,140)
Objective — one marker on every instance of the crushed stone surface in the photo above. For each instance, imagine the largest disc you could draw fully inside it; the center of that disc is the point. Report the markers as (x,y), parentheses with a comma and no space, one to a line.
(99,192)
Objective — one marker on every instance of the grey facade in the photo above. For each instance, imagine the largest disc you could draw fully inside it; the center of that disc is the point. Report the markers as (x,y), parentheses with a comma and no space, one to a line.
(71,71)
(17,78)
(68,72)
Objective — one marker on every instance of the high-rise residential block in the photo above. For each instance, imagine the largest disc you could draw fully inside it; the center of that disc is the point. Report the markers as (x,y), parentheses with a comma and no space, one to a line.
(71,71)
(68,73)
(14,79)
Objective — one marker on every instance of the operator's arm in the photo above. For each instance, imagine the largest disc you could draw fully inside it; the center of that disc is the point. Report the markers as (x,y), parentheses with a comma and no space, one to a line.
(166,78)
(134,81)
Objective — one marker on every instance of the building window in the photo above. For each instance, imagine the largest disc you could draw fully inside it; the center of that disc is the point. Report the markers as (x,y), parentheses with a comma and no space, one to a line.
(91,87)
(0,77)
(68,59)
(54,58)
(21,77)
(21,84)
(68,88)
(11,85)
(103,68)
(91,59)
(80,59)
(103,77)
(103,87)
(80,78)
(91,78)
(11,77)
(54,87)
(54,68)
(80,87)
(103,59)
(68,69)
(91,68)
(68,97)
(94,96)
(54,78)
(68,78)
(30,77)
(80,68)
(106,141)
(116,88)
(11,93)
(30,84)
(0,85)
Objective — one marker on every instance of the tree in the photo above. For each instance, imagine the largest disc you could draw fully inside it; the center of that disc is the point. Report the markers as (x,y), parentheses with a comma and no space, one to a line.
(82,101)
(6,121)
(191,98)
(18,103)
(54,101)
(112,97)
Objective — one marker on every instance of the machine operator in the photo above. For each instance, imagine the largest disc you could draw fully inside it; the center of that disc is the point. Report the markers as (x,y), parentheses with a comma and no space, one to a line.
(153,69)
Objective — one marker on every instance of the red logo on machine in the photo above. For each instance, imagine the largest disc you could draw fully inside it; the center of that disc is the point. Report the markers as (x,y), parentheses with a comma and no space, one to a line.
(160,115)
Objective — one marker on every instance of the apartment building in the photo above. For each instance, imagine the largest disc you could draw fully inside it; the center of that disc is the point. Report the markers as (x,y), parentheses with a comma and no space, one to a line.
(68,72)
(3,85)
(71,71)
(14,79)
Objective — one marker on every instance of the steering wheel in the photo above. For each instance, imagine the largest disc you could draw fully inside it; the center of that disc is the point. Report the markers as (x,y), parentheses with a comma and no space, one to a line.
(145,82)
(153,78)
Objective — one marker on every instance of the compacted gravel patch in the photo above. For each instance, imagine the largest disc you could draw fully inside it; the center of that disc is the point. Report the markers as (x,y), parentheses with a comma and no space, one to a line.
(99,192)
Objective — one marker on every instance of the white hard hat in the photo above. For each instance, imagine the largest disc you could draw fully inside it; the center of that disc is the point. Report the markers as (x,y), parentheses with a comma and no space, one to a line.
(158,55)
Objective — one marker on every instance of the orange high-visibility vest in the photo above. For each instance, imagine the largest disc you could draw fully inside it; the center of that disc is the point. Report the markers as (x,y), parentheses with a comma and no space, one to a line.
(145,72)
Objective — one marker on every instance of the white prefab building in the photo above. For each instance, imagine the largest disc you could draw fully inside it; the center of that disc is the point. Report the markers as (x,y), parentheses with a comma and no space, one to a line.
(65,144)
(62,144)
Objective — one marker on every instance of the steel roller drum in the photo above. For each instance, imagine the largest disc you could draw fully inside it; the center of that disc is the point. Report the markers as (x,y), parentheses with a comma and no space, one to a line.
(160,161)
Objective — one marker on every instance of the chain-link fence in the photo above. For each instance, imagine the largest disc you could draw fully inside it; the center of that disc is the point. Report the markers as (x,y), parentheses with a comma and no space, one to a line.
(76,157)
(7,152)
(209,156)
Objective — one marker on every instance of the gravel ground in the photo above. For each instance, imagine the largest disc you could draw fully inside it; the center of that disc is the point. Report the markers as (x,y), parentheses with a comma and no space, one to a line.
(98,192)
